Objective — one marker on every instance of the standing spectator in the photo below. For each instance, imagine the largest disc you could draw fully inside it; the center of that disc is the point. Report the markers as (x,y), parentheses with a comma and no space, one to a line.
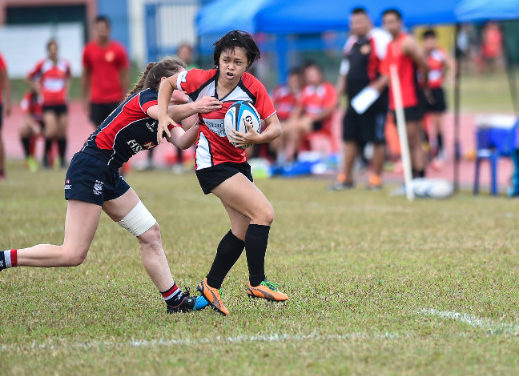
(314,111)
(5,86)
(491,46)
(185,53)
(105,77)
(439,63)
(363,54)
(286,98)
(404,53)
(50,78)
(32,126)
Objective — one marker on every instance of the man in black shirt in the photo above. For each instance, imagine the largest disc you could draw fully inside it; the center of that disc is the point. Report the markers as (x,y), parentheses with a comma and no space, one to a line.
(363,53)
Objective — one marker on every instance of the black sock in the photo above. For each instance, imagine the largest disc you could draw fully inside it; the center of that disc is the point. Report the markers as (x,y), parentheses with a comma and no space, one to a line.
(418,173)
(179,156)
(439,141)
(26,143)
(173,296)
(256,240)
(46,152)
(62,148)
(228,252)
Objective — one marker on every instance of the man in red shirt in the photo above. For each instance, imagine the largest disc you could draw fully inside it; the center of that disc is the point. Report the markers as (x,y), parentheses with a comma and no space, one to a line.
(105,77)
(314,111)
(403,52)
(5,87)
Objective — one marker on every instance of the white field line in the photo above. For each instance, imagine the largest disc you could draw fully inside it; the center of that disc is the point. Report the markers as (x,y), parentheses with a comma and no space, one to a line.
(201,341)
(492,327)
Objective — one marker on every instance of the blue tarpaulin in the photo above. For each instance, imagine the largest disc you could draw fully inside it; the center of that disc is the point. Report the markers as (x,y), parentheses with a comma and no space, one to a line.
(311,16)
(222,16)
(481,10)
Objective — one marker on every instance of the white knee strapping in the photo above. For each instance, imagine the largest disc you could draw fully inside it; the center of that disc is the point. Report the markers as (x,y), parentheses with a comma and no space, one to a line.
(138,220)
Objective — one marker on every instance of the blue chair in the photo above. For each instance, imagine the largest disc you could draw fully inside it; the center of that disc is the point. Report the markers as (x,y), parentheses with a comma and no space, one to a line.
(493,143)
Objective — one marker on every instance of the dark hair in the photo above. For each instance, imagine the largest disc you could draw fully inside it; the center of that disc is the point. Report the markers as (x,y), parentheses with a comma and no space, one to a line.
(104,19)
(233,39)
(311,64)
(153,73)
(359,10)
(51,42)
(429,33)
(394,11)
(295,70)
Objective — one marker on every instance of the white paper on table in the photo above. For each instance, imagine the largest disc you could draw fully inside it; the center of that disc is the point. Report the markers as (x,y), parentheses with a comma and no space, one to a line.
(363,100)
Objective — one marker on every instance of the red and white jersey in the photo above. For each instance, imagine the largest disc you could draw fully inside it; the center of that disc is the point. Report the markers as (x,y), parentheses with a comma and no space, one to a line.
(53,78)
(31,104)
(436,62)
(3,67)
(315,99)
(406,70)
(284,101)
(212,146)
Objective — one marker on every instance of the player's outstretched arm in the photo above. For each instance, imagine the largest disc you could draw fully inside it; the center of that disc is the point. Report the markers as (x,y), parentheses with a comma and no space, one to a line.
(183,139)
(201,106)
(165,90)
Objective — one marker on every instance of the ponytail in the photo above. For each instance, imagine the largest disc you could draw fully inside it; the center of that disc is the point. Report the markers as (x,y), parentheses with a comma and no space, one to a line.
(154,72)
(139,85)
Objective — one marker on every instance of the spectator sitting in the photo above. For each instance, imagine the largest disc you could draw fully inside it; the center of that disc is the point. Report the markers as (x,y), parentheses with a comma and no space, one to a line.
(314,111)
(286,98)
(32,126)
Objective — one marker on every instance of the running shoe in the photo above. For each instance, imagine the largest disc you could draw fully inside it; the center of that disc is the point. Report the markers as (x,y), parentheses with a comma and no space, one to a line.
(31,164)
(375,182)
(213,297)
(341,186)
(266,290)
(189,303)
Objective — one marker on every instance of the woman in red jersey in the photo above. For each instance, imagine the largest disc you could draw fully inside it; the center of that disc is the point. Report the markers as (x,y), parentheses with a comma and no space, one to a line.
(222,168)
(50,78)
(93,183)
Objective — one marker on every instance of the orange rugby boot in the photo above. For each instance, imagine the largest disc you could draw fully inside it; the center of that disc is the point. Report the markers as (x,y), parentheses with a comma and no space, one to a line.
(375,182)
(212,295)
(266,290)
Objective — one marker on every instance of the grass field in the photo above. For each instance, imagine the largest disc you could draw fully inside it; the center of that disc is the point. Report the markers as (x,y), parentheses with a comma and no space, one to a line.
(377,285)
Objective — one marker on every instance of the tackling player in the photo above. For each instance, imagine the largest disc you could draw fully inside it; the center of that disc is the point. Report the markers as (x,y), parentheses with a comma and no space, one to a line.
(222,168)
(93,183)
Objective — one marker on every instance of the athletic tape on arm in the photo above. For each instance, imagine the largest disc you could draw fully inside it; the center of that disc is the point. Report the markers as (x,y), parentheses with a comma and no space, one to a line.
(138,220)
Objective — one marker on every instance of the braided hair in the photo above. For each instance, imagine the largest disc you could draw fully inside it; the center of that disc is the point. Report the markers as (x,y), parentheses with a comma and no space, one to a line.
(152,75)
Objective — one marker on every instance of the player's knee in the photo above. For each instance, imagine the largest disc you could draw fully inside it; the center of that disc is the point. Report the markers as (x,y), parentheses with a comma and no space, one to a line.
(265,215)
(151,239)
(74,256)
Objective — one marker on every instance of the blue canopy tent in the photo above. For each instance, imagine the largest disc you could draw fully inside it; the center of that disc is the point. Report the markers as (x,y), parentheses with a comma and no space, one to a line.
(484,10)
(222,16)
(310,16)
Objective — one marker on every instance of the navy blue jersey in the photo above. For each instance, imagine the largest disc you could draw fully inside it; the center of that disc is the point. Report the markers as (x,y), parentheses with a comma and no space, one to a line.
(126,131)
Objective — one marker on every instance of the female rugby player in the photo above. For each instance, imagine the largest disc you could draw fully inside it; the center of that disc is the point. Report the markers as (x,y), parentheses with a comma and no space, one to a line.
(93,183)
(222,168)
(50,78)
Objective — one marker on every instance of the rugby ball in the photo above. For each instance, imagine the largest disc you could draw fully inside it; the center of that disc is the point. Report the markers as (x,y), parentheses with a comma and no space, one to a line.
(432,188)
(238,115)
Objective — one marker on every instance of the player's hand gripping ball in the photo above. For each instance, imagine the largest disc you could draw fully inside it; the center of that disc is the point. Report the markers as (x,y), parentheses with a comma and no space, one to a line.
(238,116)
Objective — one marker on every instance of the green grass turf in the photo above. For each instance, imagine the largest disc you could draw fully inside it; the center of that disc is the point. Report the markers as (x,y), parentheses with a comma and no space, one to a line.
(358,267)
